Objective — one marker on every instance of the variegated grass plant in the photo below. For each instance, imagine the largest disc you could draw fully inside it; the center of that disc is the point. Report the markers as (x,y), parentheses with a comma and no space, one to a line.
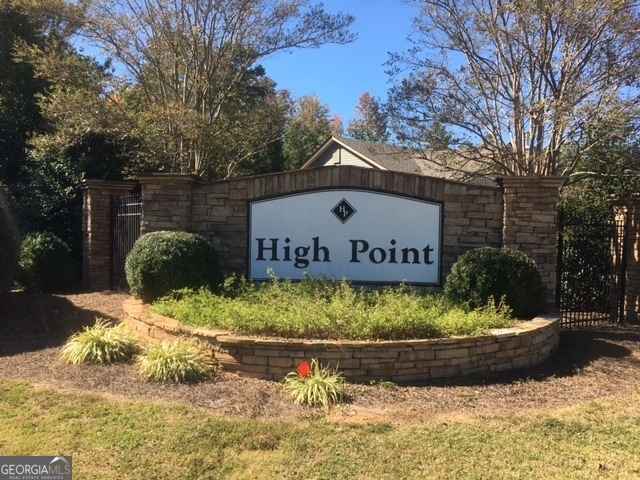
(180,361)
(102,343)
(323,386)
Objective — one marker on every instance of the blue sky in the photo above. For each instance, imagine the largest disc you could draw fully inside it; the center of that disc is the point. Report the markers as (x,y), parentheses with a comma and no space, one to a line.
(340,74)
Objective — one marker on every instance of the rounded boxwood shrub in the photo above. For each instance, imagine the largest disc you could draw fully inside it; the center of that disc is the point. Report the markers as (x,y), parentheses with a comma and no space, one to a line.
(499,273)
(9,242)
(161,262)
(45,264)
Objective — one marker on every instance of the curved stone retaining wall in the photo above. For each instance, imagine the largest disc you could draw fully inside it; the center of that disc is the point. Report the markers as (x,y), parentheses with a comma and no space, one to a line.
(527,344)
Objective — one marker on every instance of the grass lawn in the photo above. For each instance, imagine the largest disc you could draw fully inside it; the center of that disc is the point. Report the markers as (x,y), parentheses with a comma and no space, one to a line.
(128,439)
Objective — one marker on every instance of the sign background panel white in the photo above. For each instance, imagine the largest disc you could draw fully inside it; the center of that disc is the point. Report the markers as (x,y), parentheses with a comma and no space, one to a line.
(388,239)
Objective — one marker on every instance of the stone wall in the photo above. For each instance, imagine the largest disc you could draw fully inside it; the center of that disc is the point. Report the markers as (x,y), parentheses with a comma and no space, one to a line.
(530,222)
(525,345)
(96,230)
(520,213)
(627,211)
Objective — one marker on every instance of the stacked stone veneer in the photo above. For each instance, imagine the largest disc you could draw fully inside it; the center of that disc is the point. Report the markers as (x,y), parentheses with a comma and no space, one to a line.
(519,213)
(530,222)
(474,216)
(627,212)
(525,345)
(96,230)
(218,211)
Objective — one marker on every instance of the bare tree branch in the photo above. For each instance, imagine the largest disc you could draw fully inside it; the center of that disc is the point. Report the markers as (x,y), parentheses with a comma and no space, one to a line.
(521,80)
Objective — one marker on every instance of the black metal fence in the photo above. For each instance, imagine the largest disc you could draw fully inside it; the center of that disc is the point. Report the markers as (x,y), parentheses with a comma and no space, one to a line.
(126,212)
(591,272)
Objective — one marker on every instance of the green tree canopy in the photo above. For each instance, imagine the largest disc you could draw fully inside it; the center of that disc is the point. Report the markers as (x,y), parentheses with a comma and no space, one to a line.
(309,127)
(190,62)
(19,87)
(371,122)
(68,130)
(609,169)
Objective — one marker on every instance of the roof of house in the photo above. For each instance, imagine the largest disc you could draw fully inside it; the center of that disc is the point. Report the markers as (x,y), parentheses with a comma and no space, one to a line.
(388,157)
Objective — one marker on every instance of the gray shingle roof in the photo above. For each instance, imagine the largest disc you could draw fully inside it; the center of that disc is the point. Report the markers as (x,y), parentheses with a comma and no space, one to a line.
(396,159)
(405,160)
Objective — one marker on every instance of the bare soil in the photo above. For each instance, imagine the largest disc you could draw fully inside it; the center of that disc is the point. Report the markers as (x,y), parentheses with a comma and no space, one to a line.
(593,363)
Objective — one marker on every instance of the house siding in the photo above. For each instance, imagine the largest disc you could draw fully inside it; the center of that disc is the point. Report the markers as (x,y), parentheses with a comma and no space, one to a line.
(340,156)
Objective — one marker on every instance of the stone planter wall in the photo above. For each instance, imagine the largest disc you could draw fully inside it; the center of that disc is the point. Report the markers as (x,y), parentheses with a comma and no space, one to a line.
(527,344)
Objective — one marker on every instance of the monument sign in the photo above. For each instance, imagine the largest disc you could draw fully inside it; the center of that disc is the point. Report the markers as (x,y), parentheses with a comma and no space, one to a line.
(360,235)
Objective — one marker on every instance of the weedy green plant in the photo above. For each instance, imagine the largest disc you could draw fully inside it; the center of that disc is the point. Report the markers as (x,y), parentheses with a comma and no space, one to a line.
(180,361)
(102,343)
(323,386)
(323,309)
(384,384)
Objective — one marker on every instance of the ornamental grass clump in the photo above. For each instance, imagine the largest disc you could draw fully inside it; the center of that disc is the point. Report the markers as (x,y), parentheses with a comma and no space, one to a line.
(100,344)
(322,386)
(180,361)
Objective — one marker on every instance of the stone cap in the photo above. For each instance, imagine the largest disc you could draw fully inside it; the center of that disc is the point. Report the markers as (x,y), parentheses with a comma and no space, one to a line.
(125,185)
(551,181)
(161,177)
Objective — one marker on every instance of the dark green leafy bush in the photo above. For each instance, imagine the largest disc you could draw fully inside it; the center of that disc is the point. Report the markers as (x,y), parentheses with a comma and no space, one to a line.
(586,224)
(46,264)
(161,262)
(9,242)
(500,273)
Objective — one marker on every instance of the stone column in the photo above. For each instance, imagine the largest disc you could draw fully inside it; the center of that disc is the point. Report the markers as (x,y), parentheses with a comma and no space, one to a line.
(166,201)
(96,230)
(531,222)
(627,211)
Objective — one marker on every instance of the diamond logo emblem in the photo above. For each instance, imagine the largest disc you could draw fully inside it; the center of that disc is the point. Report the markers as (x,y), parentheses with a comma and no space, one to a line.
(343,211)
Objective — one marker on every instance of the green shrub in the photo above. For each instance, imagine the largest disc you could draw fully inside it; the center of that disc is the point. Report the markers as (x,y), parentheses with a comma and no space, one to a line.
(101,343)
(161,262)
(323,386)
(498,273)
(45,264)
(176,362)
(9,242)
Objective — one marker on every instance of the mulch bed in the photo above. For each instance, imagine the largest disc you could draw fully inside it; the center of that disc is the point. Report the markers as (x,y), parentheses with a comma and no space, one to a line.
(590,364)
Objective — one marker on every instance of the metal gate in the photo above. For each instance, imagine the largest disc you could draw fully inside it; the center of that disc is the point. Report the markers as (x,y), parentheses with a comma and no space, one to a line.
(126,212)
(591,272)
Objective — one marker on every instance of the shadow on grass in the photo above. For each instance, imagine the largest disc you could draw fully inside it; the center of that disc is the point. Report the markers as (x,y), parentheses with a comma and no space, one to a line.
(33,321)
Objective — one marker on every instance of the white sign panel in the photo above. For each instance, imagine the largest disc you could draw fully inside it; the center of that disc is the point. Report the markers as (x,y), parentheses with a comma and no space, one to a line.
(359,235)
